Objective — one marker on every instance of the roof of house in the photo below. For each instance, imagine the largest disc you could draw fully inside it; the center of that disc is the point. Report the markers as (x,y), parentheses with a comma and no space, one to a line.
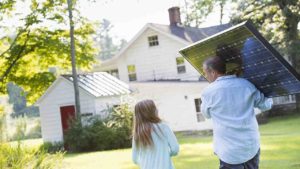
(100,84)
(182,34)
(192,34)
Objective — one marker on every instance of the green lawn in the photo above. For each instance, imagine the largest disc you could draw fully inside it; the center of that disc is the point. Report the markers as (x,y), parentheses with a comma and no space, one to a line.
(280,149)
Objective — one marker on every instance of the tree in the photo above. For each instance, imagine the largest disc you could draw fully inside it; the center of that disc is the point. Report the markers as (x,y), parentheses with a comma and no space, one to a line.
(17,97)
(196,11)
(278,21)
(73,58)
(40,42)
(105,41)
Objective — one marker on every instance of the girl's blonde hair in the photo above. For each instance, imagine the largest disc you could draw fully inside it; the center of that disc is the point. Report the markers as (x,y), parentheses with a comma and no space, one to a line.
(146,115)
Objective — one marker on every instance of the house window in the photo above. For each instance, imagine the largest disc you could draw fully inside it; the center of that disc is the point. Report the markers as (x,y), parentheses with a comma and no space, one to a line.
(131,72)
(153,40)
(198,110)
(180,65)
(114,72)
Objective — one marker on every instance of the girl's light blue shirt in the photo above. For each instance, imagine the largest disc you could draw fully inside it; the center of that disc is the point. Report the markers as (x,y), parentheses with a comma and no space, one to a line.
(158,156)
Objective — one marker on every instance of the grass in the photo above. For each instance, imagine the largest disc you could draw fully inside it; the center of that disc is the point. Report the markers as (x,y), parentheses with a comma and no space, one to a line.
(28,142)
(280,149)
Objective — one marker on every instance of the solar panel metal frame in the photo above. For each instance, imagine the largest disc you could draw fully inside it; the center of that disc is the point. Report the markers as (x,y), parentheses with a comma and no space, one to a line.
(248,24)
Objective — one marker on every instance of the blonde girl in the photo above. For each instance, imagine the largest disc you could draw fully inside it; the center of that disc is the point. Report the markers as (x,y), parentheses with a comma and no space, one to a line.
(153,141)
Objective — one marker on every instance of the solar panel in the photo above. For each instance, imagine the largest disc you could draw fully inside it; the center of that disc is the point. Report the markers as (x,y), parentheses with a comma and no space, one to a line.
(248,55)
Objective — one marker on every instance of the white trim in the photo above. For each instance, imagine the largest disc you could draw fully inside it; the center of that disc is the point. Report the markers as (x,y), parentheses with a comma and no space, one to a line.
(169,35)
(126,47)
(148,25)
(59,79)
(210,37)
(48,90)
(66,104)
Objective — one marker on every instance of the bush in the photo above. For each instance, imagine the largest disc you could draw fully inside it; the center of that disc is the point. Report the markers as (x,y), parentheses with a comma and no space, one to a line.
(93,137)
(101,134)
(52,147)
(2,124)
(121,120)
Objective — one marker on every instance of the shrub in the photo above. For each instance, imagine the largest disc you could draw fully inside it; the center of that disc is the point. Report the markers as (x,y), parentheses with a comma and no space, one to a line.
(95,136)
(101,134)
(121,120)
(17,157)
(52,147)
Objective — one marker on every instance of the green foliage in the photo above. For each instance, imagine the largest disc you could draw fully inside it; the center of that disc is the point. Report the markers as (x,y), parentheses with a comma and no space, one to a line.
(18,157)
(121,117)
(111,133)
(41,42)
(6,6)
(53,147)
(277,20)
(2,124)
(95,136)
(196,11)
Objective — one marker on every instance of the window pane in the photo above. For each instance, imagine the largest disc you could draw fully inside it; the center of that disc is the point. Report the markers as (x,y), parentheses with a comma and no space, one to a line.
(198,104)
(200,117)
(132,77)
(180,61)
(153,40)
(131,69)
(181,69)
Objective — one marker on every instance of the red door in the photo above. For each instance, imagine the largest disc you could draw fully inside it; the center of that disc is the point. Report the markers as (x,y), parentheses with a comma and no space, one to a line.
(66,113)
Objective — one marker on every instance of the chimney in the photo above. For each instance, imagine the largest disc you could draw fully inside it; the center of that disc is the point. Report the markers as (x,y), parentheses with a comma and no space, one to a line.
(174,16)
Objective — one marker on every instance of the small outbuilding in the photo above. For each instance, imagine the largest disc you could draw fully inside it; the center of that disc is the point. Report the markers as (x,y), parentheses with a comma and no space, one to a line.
(97,91)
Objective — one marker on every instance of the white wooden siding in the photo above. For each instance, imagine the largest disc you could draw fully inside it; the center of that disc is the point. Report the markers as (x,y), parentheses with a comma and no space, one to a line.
(61,95)
(176,109)
(156,62)
(102,103)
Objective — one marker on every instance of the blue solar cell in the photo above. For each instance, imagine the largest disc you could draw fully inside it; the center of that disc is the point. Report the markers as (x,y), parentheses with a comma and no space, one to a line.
(248,55)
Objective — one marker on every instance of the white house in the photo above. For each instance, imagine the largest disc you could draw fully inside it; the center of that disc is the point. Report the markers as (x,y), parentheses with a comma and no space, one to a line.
(97,91)
(151,64)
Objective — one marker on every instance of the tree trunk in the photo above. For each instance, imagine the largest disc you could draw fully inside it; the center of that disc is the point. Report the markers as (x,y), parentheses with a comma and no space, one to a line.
(221,12)
(73,58)
(293,45)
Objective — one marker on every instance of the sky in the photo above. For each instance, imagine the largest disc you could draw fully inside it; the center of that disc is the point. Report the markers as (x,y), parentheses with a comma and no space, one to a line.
(129,16)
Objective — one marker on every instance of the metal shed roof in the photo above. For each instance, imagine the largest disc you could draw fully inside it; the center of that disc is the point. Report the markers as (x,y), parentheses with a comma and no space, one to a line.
(100,84)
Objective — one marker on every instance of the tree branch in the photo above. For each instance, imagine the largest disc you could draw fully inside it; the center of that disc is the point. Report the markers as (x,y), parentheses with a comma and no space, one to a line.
(18,57)
(13,43)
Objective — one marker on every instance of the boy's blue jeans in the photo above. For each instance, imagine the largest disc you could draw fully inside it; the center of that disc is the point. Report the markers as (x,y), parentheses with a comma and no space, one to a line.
(251,164)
